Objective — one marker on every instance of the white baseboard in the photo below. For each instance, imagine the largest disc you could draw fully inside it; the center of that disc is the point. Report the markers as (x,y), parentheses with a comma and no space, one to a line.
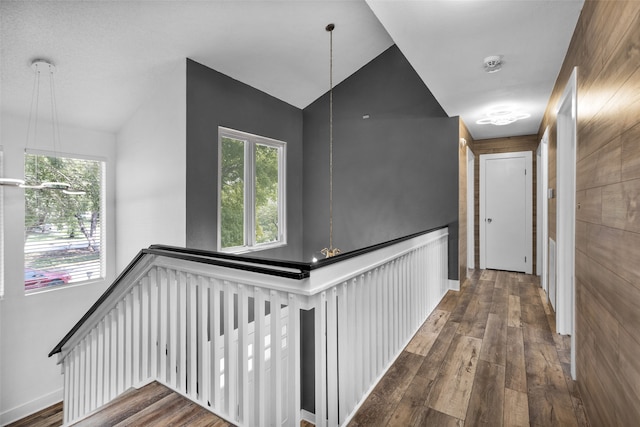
(454,285)
(31,407)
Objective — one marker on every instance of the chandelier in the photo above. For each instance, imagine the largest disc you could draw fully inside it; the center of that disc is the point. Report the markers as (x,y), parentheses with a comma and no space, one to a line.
(39,67)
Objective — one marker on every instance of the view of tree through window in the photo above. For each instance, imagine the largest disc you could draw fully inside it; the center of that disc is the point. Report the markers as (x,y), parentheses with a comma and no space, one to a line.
(63,232)
(232,194)
(266,194)
(250,190)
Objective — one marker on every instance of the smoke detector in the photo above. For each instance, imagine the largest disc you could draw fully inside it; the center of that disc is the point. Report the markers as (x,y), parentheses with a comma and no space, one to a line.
(493,63)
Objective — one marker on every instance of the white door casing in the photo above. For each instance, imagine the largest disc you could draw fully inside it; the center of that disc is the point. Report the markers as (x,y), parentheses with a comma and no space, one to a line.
(565,213)
(506,211)
(471,241)
(542,255)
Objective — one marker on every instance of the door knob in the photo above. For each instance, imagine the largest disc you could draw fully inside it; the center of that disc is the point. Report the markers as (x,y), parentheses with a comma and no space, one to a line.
(489,220)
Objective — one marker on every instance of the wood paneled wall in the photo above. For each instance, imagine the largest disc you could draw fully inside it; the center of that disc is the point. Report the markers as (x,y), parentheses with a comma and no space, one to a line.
(462,202)
(495,146)
(606,49)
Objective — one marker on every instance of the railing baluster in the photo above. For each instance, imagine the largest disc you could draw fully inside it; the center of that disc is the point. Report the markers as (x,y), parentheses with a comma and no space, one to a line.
(121,352)
(230,353)
(163,314)
(172,359)
(137,335)
(359,325)
(204,362)
(293,346)
(154,325)
(192,337)
(332,356)
(181,331)
(216,345)
(93,385)
(344,352)
(101,373)
(128,341)
(259,365)
(243,353)
(320,330)
(75,369)
(276,357)
(145,330)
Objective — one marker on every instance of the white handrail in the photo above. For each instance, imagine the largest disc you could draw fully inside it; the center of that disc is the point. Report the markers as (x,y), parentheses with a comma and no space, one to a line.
(229,339)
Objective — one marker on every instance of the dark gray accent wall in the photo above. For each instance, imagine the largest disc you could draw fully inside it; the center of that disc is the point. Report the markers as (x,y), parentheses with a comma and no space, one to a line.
(395,173)
(214,99)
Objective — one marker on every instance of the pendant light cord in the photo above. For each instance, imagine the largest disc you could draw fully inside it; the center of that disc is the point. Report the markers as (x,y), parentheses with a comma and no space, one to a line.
(330,28)
(330,251)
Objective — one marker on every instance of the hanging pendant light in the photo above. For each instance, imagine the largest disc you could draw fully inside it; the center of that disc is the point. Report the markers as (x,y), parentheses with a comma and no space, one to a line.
(39,67)
(330,251)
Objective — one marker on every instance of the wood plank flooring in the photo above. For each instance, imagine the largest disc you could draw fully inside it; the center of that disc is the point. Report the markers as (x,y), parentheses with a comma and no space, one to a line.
(488,355)
(152,405)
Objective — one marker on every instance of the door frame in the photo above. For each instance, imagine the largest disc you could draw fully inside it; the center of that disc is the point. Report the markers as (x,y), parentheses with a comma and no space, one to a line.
(542,218)
(528,204)
(471,241)
(565,212)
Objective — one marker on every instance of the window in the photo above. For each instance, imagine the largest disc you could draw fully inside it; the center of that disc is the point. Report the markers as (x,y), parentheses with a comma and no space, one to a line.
(251,207)
(64,227)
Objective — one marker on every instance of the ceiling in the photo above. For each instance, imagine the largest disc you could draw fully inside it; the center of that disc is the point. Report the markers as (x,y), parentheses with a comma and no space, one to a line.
(110,55)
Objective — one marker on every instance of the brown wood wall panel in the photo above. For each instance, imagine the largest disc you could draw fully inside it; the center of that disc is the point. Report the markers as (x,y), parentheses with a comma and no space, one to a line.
(631,153)
(496,146)
(606,49)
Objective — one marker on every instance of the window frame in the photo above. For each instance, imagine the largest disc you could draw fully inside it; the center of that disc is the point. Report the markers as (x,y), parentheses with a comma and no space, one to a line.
(102,219)
(250,142)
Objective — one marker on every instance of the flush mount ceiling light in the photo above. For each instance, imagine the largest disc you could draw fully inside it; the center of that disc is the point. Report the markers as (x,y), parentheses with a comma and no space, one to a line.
(493,63)
(502,116)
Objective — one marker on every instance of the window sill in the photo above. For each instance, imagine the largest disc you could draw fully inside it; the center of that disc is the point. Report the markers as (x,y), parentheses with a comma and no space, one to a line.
(48,289)
(247,250)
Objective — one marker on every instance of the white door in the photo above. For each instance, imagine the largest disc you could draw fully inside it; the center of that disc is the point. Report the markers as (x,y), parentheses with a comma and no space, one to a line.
(505,211)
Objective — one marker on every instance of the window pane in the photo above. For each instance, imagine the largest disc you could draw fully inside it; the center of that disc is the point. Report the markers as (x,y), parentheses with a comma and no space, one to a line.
(232,193)
(63,231)
(266,194)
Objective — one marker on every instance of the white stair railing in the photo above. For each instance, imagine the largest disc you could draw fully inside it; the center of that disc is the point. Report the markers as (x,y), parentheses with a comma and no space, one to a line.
(229,339)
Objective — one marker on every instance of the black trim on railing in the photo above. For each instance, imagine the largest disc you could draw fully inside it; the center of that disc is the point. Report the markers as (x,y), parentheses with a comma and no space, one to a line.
(285,269)
(341,257)
(94,307)
(200,253)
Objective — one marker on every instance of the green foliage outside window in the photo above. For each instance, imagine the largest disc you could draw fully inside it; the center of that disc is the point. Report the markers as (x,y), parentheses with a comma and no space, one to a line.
(266,194)
(62,231)
(233,192)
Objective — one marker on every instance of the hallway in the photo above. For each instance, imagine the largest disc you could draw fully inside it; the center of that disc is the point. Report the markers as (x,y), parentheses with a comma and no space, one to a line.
(488,355)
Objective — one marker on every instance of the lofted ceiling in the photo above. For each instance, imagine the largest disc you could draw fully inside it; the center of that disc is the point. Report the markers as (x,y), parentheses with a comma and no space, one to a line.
(110,55)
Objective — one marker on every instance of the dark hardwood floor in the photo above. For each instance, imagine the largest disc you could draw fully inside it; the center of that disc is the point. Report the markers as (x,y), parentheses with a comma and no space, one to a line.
(152,405)
(488,355)
(48,417)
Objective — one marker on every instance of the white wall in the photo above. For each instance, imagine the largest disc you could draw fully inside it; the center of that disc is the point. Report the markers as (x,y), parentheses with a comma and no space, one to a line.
(151,170)
(30,326)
